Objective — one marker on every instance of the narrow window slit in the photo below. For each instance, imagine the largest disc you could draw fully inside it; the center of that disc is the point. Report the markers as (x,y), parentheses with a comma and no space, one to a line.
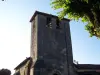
(57,24)
(48,22)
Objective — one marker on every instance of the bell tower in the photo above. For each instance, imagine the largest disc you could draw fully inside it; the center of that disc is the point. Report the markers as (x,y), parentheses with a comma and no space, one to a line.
(51,48)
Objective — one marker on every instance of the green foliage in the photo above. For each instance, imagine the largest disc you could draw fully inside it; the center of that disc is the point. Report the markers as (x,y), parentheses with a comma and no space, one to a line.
(5,72)
(86,10)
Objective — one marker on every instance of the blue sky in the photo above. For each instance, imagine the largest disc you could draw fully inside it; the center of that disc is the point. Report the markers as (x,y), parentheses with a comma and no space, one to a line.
(15,32)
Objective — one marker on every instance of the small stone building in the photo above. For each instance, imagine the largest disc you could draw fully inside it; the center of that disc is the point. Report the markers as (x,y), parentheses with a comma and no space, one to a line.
(51,49)
(24,67)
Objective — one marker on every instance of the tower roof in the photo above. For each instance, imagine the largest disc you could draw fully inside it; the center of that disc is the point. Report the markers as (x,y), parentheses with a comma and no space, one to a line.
(45,14)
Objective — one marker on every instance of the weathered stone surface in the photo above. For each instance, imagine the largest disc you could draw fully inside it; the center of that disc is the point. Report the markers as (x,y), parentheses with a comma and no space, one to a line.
(51,45)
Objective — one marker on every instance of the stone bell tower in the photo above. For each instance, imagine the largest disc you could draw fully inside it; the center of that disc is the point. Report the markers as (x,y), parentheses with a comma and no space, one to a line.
(51,48)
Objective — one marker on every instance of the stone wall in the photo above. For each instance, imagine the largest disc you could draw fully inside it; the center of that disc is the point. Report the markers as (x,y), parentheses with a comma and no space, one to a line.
(52,45)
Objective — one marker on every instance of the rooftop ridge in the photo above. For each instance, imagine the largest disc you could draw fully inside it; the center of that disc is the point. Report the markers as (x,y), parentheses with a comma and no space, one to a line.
(46,14)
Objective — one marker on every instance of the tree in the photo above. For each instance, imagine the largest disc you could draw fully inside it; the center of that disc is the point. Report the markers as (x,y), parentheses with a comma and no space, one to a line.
(85,10)
(5,72)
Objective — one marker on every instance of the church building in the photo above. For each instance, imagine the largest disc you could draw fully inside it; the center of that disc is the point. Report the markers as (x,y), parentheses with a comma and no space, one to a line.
(51,49)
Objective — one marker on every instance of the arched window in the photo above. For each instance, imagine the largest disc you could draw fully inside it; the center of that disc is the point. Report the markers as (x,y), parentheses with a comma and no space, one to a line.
(56,72)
